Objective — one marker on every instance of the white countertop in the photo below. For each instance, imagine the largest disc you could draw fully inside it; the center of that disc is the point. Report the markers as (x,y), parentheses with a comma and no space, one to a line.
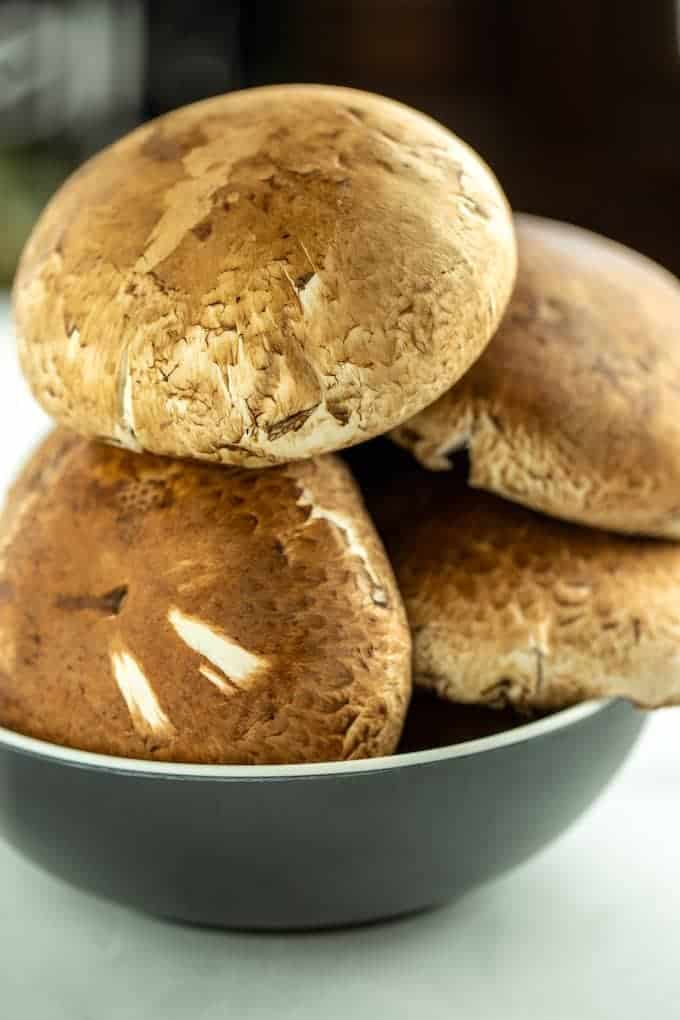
(589,930)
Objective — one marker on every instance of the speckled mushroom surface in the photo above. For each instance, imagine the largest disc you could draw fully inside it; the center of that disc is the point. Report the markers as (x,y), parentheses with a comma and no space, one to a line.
(574,407)
(155,609)
(263,276)
(509,607)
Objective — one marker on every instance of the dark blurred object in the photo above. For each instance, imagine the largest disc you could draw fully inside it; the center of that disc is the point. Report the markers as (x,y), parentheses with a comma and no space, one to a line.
(71,80)
(73,69)
(432,722)
(193,51)
(575,104)
(28,176)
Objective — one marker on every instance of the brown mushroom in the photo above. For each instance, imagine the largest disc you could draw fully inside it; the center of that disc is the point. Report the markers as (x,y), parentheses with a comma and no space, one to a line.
(155,609)
(508,607)
(574,407)
(263,277)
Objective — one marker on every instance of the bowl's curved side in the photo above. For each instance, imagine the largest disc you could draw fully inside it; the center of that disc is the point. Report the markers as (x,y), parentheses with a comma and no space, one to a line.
(312,851)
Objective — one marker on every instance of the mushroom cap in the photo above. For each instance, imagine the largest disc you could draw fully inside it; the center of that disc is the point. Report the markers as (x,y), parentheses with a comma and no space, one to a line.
(574,407)
(509,607)
(264,276)
(186,612)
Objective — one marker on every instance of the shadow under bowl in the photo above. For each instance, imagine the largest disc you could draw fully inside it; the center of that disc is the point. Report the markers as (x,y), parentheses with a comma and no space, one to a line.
(308,846)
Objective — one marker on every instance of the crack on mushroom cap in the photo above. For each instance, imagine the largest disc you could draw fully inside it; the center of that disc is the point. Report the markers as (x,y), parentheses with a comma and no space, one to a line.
(236,663)
(292,423)
(111,603)
(147,716)
(354,546)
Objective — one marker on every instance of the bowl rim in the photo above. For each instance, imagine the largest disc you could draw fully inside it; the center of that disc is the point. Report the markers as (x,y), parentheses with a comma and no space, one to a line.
(559,720)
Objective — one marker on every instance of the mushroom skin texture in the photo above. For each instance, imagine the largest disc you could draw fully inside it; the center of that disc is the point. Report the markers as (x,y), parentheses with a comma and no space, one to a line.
(263,277)
(512,608)
(184,612)
(574,407)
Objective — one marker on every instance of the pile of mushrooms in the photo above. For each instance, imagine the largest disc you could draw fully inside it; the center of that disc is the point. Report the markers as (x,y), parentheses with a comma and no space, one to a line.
(214,307)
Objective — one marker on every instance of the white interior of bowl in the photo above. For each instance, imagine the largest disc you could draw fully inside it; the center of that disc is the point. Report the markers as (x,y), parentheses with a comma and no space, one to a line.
(88,759)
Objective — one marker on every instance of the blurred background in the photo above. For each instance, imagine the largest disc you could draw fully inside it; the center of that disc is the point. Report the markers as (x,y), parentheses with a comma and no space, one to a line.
(576,105)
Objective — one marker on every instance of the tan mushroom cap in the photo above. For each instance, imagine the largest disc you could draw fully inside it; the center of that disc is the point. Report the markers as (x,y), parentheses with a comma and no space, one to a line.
(263,277)
(154,609)
(574,408)
(509,607)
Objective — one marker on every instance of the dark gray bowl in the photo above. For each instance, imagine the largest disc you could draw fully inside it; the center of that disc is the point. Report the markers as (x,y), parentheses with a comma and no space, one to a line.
(306,846)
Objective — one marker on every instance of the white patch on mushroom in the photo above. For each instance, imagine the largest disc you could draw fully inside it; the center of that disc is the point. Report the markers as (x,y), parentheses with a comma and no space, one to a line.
(125,431)
(148,718)
(311,293)
(354,545)
(73,345)
(128,410)
(540,639)
(218,681)
(235,662)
